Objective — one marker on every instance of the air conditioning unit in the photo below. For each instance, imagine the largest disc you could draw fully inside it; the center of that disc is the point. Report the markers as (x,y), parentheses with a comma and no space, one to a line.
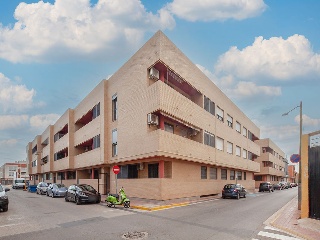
(154,74)
(153,119)
(193,132)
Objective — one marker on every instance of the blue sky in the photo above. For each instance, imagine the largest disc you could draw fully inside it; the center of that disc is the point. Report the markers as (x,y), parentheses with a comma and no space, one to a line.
(264,55)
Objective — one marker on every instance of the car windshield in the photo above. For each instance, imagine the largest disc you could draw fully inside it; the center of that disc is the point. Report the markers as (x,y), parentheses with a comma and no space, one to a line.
(264,184)
(87,188)
(60,185)
(19,181)
(230,186)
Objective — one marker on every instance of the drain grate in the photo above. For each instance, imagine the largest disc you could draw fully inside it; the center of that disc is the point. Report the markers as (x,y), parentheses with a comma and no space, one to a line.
(135,235)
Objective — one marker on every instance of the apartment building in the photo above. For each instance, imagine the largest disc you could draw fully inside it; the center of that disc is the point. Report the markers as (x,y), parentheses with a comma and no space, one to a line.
(9,171)
(273,163)
(292,174)
(169,128)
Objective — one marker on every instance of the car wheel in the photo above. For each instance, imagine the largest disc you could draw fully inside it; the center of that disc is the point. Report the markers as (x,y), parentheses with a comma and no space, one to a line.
(224,197)
(66,199)
(238,196)
(5,208)
(244,196)
(78,200)
(52,195)
(47,194)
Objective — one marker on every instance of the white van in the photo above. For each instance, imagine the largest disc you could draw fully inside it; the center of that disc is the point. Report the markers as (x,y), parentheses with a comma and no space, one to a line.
(18,183)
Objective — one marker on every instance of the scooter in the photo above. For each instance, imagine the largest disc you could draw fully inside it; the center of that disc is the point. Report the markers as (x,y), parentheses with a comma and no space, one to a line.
(118,199)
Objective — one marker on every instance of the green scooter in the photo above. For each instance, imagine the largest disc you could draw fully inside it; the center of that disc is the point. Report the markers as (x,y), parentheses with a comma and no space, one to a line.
(118,199)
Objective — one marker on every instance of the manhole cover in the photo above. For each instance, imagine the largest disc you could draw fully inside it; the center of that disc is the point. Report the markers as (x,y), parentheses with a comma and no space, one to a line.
(135,235)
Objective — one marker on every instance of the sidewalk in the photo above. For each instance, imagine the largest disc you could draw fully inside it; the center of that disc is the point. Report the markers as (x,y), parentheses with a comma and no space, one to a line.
(286,219)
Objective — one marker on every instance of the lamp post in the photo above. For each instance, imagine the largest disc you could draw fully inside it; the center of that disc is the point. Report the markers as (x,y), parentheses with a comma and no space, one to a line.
(299,179)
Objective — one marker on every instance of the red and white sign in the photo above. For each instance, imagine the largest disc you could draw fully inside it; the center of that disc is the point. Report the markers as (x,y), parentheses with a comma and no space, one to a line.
(116,169)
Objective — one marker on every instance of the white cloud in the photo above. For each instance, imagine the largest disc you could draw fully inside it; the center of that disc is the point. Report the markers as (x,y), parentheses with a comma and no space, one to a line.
(250,89)
(43,121)
(204,10)
(8,142)
(13,121)
(73,28)
(307,121)
(277,58)
(14,97)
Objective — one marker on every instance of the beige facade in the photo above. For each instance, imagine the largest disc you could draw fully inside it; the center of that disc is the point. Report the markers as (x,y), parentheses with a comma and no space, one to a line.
(170,129)
(273,163)
(9,171)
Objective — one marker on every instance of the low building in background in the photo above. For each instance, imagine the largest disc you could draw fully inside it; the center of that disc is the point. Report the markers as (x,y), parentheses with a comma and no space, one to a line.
(10,171)
(273,163)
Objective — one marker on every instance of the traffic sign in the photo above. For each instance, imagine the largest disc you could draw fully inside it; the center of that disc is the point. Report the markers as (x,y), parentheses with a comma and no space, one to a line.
(295,158)
(116,169)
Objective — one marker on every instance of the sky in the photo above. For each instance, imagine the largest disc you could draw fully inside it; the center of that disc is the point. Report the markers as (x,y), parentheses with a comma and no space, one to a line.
(264,55)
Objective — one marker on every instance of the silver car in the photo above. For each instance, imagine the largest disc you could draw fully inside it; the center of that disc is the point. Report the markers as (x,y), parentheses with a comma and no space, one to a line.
(56,190)
(42,188)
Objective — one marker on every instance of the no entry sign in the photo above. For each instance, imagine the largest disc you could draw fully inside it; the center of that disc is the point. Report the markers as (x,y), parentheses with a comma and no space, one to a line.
(116,169)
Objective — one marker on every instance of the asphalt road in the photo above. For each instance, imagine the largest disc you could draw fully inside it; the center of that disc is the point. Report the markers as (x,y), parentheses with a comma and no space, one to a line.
(32,216)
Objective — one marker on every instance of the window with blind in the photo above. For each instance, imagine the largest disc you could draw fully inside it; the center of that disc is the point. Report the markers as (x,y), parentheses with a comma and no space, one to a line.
(244,153)
(230,121)
(230,147)
(219,143)
(238,151)
(238,127)
(209,139)
(232,175)
(203,172)
(220,114)
(209,105)
(114,142)
(244,131)
(213,173)
(239,175)
(168,127)
(114,107)
(224,174)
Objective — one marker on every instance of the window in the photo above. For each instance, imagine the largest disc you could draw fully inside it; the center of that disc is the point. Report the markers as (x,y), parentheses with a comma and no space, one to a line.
(239,175)
(128,171)
(238,127)
(209,139)
(209,105)
(96,142)
(114,107)
(168,127)
(244,153)
(220,114)
(230,121)
(244,131)
(232,175)
(114,142)
(250,135)
(250,155)
(244,176)
(229,147)
(224,174)
(219,142)
(96,111)
(213,173)
(238,151)
(203,172)
(258,178)
(153,170)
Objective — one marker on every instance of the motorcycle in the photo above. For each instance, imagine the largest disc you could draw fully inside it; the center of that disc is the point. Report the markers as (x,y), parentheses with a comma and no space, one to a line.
(118,199)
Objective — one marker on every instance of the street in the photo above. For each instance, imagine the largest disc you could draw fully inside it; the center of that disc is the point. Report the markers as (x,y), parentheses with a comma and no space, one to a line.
(32,216)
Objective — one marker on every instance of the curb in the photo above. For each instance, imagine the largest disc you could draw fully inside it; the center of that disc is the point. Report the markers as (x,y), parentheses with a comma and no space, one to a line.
(271,221)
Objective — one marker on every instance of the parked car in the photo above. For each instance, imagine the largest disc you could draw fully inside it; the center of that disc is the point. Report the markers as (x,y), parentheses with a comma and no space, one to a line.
(56,190)
(42,188)
(82,193)
(284,185)
(265,186)
(4,200)
(277,186)
(233,191)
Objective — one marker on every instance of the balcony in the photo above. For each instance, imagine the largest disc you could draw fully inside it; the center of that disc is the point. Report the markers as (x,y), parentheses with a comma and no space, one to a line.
(88,159)
(271,171)
(87,132)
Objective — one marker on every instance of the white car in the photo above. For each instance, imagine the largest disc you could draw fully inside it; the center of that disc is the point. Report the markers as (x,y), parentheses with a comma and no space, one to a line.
(4,200)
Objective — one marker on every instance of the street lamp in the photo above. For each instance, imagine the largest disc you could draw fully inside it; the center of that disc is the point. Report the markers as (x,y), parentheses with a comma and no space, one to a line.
(299,179)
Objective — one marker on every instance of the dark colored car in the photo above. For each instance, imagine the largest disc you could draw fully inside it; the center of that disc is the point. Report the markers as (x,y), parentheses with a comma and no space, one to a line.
(56,190)
(4,200)
(265,187)
(82,193)
(277,186)
(233,191)
(42,188)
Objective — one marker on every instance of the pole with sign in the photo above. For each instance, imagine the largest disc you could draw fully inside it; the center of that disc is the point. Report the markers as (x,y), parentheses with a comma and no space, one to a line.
(116,170)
